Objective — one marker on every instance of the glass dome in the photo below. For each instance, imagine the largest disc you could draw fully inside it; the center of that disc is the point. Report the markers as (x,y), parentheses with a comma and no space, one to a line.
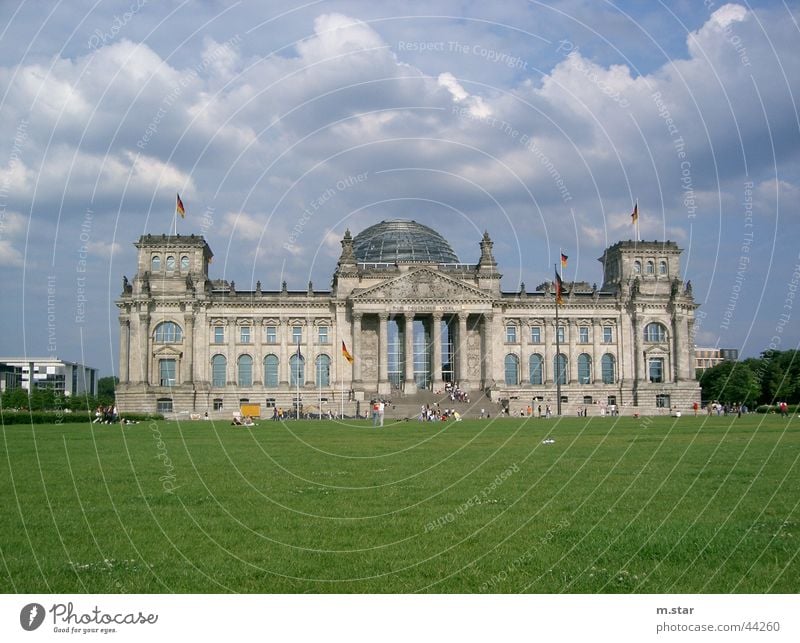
(401,240)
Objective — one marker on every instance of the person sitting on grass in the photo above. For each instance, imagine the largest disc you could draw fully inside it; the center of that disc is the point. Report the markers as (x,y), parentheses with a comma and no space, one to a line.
(237,421)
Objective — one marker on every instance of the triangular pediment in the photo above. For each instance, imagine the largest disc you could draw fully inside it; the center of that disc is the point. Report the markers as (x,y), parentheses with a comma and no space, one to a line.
(425,285)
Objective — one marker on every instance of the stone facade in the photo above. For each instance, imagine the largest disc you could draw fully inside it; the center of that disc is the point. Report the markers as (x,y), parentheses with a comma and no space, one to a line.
(190,344)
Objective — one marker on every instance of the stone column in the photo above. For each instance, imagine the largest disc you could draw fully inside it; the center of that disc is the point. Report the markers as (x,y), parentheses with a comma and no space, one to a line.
(524,356)
(461,376)
(677,346)
(638,359)
(488,353)
(597,331)
(187,376)
(436,362)
(310,363)
(383,354)
(283,352)
(549,350)
(144,346)
(408,353)
(572,354)
(357,347)
(687,351)
(124,350)
(232,366)
(258,355)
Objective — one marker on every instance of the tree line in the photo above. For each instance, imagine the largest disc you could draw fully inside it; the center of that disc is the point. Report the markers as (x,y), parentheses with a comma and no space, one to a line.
(43,399)
(771,378)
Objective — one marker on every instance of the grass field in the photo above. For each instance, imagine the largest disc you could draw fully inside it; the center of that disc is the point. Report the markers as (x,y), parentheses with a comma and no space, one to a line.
(614,505)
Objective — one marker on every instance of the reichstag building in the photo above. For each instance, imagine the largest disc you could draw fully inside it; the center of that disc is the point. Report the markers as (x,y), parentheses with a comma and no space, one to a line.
(404,316)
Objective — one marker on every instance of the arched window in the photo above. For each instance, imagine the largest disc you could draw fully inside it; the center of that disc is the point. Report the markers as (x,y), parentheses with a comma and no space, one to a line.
(637,267)
(651,268)
(168,333)
(297,370)
(512,370)
(218,367)
(323,370)
(609,367)
(155,263)
(536,367)
(245,370)
(170,263)
(560,368)
(184,263)
(662,267)
(271,371)
(584,369)
(655,332)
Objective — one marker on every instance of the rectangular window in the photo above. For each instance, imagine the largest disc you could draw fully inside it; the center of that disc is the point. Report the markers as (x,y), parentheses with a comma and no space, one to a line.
(219,335)
(536,335)
(323,335)
(244,334)
(272,334)
(217,403)
(662,401)
(297,335)
(561,334)
(511,334)
(587,399)
(612,399)
(164,405)
(583,335)
(607,335)
(656,370)
(166,369)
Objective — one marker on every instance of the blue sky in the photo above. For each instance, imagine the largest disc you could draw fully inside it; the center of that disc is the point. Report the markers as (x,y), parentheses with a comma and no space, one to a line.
(539,122)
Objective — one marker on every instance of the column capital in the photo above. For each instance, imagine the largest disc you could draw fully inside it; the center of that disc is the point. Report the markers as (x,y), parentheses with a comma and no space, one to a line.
(357,316)
(437,316)
(384,317)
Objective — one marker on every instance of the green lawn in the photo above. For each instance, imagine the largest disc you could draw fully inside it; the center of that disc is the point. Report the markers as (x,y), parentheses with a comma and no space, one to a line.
(614,505)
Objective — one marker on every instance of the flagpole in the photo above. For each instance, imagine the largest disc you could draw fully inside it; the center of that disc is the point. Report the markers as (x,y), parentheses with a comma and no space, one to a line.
(297,381)
(341,381)
(558,355)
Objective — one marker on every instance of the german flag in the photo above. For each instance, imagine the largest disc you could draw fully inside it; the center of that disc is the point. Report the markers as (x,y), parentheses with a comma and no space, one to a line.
(179,207)
(346,353)
(559,290)
(564,261)
(635,214)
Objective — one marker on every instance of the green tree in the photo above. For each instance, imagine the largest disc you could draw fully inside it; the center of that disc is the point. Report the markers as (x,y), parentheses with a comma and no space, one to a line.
(15,399)
(731,382)
(105,389)
(780,379)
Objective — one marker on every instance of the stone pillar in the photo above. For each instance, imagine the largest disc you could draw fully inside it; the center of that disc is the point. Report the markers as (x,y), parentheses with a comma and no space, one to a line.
(461,375)
(687,351)
(549,351)
(436,362)
(384,388)
(677,347)
(572,354)
(597,371)
(488,354)
(310,361)
(258,355)
(144,346)
(283,356)
(357,347)
(232,365)
(524,357)
(408,354)
(638,359)
(187,376)
(124,350)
